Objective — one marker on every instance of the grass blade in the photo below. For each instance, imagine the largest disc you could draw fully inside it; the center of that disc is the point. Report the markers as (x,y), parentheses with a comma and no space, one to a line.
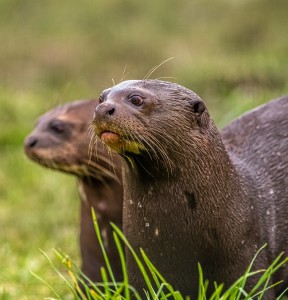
(156,274)
(137,259)
(97,230)
(123,265)
(60,275)
(47,284)
(105,283)
(267,274)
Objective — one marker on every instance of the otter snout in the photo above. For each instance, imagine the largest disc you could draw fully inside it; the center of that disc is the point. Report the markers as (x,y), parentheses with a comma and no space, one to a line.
(103,110)
(30,145)
(30,142)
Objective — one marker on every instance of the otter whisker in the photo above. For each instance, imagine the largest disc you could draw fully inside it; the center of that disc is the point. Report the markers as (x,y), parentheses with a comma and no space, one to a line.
(103,158)
(93,173)
(166,77)
(91,141)
(150,72)
(110,154)
(146,141)
(153,145)
(144,168)
(91,148)
(106,172)
(165,157)
(93,138)
(94,150)
(158,144)
(124,75)
(174,143)
(136,136)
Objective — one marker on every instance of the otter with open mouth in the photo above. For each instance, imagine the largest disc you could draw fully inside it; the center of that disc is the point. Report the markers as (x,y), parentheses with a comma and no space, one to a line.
(192,196)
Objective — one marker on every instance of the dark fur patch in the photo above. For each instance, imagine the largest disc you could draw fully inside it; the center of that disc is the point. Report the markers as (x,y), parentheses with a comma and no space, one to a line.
(190,199)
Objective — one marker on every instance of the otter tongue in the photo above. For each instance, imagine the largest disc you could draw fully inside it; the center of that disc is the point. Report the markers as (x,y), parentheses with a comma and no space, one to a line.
(110,138)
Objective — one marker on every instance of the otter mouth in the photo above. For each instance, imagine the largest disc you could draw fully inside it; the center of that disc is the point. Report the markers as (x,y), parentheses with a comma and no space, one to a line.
(110,137)
(78,170)
(50,163)
(113,140)
(35,157)
(84,169)
(43,161)
(119,143)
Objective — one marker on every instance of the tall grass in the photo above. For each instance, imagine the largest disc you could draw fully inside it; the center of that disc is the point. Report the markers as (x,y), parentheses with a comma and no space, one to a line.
(156,287)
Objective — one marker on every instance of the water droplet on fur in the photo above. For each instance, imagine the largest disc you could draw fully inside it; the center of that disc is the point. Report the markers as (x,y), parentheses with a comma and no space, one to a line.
(131,201)
(150,191)
(268,212)
(139,205)
(147,224)
(271,191)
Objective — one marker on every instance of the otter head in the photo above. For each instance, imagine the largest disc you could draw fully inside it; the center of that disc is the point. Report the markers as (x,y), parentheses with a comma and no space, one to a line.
(61,140)
(150,120)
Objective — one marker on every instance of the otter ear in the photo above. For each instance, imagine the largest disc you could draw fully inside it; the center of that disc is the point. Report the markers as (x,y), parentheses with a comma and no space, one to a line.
(197,106)
(199,109)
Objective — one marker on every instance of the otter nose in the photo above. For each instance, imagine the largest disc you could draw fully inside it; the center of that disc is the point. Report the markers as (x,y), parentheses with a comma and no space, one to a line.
(104,110)
(31,142)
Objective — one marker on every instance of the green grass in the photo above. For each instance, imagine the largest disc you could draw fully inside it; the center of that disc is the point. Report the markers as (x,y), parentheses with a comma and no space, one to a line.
(232,53)
(156,287)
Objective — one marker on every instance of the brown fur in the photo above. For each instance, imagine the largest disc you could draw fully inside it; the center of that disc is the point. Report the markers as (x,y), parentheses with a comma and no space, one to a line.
(61,141)
(186,198)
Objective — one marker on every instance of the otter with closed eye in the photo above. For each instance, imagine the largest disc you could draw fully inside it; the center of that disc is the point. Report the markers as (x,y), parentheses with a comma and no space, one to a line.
(60,141)
(191,195)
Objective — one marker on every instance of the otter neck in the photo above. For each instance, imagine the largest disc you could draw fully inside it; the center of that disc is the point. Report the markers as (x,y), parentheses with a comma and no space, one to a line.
(204,190)
(88,189)
(193,168)
(203,200)
(103,196)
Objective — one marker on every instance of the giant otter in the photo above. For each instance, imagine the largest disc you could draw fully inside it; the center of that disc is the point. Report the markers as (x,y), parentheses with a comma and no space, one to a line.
(60,141)
(190,196)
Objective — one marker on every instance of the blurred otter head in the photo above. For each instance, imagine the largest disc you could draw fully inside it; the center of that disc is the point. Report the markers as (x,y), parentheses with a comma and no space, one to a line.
(61,141)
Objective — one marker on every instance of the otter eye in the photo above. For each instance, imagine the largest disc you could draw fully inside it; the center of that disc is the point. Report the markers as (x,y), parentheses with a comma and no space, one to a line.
(57,126)
(136,100)
(101,99)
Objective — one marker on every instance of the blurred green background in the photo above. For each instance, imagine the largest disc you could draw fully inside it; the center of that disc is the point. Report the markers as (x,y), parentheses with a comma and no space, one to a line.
(233,53)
